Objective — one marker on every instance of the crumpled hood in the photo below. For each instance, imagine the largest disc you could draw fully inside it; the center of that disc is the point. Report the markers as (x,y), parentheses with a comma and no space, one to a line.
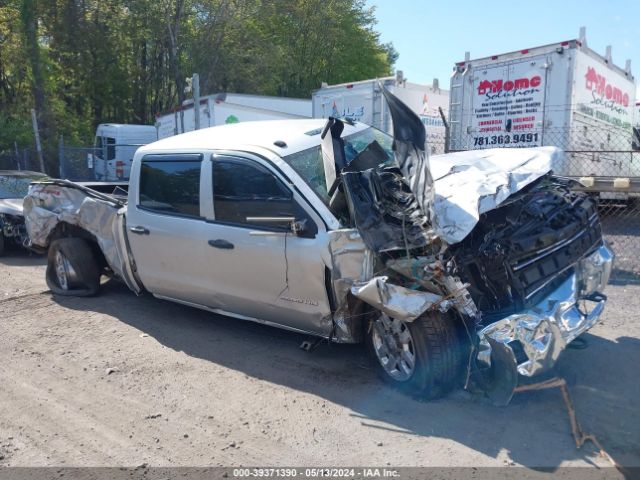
(470,183)
(11,206)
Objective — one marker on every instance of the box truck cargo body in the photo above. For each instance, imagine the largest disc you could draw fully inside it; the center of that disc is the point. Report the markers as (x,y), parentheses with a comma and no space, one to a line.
(363,102)
(563,95)
(220,109)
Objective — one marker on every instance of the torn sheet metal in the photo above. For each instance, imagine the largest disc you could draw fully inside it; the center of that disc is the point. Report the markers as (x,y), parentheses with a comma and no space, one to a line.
(391,204)
(410,152)
(385,210)
(351,262)
(417,269)
(468,184)
(398,302)
(49,204)
(543,331)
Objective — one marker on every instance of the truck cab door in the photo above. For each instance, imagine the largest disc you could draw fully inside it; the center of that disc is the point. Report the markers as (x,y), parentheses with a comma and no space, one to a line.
(258,267)
(166,224)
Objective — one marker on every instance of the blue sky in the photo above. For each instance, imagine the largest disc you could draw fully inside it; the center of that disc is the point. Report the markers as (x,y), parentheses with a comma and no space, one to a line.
(431,36)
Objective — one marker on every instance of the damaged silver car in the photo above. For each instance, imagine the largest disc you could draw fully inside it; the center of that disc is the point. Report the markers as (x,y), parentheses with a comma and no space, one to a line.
(14,186)
(472,268)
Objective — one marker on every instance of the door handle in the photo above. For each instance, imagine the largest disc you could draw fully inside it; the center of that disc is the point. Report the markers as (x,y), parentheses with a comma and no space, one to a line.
(139,230)
(219,243)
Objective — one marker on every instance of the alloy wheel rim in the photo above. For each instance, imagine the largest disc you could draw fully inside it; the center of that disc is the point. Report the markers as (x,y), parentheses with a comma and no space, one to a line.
(394,347)
(62,270)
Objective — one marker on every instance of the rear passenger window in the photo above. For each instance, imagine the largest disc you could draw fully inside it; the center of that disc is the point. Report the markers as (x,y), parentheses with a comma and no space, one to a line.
(171,184)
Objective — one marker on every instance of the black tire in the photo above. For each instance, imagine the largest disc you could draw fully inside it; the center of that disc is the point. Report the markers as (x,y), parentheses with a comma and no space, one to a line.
(84,278)
(2,244)
(439,355)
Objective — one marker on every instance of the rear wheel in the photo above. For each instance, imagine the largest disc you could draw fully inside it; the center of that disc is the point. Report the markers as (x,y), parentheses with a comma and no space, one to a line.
(2,243)
(72,268)
(422,357)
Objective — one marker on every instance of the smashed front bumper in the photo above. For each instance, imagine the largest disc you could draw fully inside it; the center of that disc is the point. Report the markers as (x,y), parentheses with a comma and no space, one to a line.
(529,343)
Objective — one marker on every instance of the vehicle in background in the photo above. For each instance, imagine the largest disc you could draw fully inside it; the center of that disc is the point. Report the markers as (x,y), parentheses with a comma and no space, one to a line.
(363,102)
(474,267)
(115,144)
(564,95)
(114,147)
(14,185)
(224,108)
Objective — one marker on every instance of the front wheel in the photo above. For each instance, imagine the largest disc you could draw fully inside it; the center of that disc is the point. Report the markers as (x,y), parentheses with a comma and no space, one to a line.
(422,357)
(72,268)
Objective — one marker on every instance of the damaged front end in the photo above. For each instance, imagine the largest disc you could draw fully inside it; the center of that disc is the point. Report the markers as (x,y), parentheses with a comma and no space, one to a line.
(13,229)
(491,237)
(536,266)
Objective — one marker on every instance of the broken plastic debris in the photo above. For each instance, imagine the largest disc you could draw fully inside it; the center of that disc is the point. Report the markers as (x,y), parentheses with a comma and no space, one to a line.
(396,301)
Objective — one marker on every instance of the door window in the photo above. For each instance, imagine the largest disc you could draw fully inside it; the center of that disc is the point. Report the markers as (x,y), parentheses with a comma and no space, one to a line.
(171,184)
(244,189)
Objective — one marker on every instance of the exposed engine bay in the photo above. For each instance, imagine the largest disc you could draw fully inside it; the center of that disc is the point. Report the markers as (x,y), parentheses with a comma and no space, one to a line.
(524,249)
(512,251)
(12,224)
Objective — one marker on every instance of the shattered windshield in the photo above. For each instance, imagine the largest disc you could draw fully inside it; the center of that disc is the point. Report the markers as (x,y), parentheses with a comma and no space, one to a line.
(308,163)
(16,186)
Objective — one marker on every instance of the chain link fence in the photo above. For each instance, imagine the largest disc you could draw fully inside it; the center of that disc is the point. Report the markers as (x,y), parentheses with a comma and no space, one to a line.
(77,163)
(605,161)
(110,162)
(19,159)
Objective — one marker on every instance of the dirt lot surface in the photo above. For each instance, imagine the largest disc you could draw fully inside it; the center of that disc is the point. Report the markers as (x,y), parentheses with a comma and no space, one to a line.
(125,380)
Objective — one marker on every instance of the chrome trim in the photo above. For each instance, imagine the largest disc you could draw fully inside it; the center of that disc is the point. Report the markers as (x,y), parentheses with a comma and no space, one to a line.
(545,330)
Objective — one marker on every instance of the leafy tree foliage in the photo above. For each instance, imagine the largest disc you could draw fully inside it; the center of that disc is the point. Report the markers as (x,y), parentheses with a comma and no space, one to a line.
(83,62)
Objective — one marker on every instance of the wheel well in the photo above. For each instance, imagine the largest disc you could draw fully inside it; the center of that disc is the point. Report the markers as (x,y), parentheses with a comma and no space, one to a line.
(67,230)
(362,311)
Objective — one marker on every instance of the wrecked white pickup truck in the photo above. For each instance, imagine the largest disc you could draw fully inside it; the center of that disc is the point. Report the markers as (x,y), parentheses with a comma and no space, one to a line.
(475,267)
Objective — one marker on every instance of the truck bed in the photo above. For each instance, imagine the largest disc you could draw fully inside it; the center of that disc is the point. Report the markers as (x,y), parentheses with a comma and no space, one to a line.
(54,207)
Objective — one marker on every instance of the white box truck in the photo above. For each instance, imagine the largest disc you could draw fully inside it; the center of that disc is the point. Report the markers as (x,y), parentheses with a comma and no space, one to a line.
(363,102)
(563,94)
(223,108)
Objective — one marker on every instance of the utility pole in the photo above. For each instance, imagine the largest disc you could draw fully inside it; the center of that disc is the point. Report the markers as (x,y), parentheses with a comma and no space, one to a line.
(61,157)
(195,84)
(36,133)
(15,145)
(446,130)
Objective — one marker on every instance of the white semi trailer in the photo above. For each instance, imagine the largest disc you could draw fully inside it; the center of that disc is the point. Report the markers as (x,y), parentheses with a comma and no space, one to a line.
(224,108)
(363,101)
(564,95)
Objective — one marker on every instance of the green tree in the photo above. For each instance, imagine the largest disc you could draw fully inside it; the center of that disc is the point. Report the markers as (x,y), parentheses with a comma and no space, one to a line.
(83,62)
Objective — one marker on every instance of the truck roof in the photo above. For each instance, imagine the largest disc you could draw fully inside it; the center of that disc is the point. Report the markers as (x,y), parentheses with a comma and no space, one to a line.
(296,134)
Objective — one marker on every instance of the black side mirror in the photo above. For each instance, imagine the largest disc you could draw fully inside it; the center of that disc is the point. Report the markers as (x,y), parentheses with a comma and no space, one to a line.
(302,228)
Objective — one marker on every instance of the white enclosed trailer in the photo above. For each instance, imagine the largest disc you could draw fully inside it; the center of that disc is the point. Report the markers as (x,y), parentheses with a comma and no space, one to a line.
(563,94)
(224,108)
(363,102)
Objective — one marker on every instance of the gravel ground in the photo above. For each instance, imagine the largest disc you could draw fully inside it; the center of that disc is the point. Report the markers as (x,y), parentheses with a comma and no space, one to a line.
(120,380)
